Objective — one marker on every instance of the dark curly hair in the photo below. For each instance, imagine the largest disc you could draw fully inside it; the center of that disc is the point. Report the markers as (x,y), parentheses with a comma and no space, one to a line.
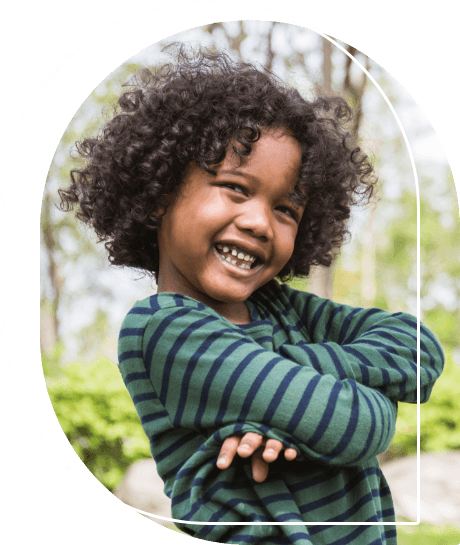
(191,110)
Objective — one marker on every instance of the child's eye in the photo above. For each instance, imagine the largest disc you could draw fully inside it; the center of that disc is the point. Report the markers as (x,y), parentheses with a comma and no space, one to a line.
(234,187)
(288,212)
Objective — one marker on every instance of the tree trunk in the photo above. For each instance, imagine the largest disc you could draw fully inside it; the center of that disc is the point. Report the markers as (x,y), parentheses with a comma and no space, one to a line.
(368,267)
(49,323)
(355,93)
(320,280)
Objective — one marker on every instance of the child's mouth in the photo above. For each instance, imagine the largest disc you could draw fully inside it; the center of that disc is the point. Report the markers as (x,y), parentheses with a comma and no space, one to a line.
(237,257)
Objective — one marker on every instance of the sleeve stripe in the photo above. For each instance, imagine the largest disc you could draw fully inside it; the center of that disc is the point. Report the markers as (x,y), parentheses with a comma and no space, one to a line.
(193,362)
(327,415)
(302,405)
(174,446)
(233,380)
(154,416)
(129,354)
(255,387)
(135,376)
(175,349)
(131,331)
(209,379)
(148,396)
(282,388)
(359,325)
(346,325)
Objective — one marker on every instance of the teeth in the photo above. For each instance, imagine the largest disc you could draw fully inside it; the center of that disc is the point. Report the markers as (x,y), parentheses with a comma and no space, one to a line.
(233,262)
(235,252)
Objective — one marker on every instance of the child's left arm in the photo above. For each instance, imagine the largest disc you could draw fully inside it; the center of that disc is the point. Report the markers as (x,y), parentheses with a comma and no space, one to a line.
(371,346)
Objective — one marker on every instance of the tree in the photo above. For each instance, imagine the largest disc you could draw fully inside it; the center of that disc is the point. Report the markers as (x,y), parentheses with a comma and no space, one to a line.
(321,279)
(70,258)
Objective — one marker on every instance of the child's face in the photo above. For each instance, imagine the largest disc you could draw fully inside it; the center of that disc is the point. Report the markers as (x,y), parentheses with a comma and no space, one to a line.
(246,208)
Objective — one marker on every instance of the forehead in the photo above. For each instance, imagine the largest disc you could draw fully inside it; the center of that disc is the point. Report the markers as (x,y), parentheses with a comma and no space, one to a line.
(276,155)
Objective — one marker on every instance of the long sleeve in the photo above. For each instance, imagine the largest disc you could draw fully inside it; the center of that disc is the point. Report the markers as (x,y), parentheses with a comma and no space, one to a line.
(372,346)
(209,373)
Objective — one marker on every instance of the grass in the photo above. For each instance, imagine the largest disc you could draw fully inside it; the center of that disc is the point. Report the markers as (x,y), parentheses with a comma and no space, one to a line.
(427,534)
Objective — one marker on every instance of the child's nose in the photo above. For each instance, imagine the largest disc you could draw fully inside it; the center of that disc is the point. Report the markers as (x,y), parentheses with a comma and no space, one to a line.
(256,217)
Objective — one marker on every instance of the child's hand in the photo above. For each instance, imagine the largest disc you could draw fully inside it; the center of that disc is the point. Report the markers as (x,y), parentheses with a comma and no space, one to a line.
(262,450)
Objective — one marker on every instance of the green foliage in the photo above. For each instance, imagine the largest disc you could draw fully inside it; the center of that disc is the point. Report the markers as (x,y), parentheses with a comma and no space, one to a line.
(51,361)
(439,253)
(439,425)
(427,534)
(99,419)
(439,419)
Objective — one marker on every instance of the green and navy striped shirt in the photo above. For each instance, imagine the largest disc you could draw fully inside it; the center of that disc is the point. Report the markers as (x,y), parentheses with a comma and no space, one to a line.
(318,376)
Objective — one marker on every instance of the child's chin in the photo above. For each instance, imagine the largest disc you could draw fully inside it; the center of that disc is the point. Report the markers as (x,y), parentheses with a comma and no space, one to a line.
(230,296)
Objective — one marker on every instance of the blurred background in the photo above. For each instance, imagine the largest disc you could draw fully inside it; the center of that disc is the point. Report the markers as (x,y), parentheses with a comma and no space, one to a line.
(83,300)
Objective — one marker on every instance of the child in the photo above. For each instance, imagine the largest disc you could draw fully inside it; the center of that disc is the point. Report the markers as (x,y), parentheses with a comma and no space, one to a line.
(218,180)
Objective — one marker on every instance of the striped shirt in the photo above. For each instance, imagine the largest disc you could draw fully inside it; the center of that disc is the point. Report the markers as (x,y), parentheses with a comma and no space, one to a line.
(321,377)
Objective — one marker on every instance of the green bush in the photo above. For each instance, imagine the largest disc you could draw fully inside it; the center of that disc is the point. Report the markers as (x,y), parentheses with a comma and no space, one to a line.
(98,417)
(439,424)
(428,534)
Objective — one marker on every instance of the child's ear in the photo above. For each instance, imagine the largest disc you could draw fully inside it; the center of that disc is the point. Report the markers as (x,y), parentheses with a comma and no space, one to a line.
(158,211)
(161,209)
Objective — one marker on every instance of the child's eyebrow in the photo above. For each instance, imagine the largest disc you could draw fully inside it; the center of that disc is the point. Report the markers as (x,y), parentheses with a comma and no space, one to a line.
(237,173)
(251,177)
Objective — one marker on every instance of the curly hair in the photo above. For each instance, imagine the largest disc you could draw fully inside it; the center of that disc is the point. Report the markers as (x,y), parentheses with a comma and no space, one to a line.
(191,110)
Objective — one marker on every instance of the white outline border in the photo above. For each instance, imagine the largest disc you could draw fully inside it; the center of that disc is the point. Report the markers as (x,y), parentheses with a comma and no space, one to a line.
(5,169)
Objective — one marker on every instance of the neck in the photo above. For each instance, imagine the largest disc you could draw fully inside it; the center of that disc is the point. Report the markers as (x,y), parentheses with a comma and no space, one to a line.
(237,313)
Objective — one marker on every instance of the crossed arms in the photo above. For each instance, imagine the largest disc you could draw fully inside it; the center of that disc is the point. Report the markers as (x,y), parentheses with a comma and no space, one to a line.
(331,397)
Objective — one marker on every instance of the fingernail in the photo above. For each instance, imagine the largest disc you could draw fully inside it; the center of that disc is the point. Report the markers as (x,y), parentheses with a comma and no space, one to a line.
(244,446)
(221,460)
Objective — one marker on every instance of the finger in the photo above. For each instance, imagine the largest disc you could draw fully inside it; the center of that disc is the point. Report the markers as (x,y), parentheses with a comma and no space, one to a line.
(249,444)
(259,466)
(290,454)
(272,449)
(228,451)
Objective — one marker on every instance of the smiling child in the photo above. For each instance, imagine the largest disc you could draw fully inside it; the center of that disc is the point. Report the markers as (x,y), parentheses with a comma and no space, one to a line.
(218,243)
(223,183)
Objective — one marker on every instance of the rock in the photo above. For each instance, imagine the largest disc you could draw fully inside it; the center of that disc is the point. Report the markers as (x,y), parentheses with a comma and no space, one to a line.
(141,487)
(439,487)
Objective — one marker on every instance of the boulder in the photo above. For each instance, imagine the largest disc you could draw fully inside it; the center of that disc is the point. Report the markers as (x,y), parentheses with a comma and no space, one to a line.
(439,487)
(141,487)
